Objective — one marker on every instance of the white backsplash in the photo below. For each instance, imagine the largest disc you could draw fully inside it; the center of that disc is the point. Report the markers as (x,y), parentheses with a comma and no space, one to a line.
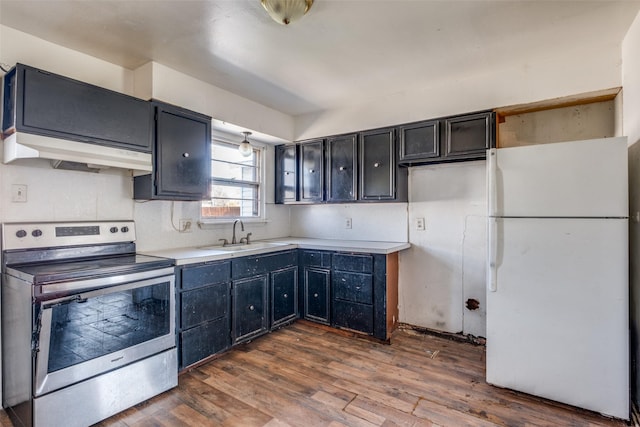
(384,222)
(62,195)
(155,230)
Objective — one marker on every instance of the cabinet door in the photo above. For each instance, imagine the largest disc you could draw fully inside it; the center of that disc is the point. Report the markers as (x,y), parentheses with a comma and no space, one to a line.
(203,341)
(341,168)
(286,176)
(468,136)
(419,141)
(316,294)
(49,104)
(311,171)
(203,304)
(182,154)
(284,295)
(377,165)
(249,308)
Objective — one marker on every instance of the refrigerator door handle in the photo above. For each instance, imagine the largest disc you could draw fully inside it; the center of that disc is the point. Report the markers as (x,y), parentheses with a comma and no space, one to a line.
(492,256)
(492,185)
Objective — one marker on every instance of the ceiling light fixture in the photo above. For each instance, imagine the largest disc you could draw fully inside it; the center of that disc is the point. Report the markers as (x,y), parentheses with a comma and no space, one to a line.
(286,11)
(244,147)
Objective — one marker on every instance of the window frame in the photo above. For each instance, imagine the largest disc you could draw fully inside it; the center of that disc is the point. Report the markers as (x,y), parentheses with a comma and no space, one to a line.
(261,182)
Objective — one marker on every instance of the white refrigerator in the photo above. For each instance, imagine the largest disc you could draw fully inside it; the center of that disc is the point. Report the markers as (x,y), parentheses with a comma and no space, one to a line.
(557,273)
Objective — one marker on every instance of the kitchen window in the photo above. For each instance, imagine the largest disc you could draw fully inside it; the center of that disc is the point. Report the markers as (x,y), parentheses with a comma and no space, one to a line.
(236,183)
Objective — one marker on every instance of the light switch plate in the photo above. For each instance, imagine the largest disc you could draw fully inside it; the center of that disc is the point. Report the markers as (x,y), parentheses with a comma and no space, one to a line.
(19,193)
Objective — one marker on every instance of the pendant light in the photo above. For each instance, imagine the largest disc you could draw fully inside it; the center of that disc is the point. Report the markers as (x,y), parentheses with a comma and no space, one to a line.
(244,147)
(286,11)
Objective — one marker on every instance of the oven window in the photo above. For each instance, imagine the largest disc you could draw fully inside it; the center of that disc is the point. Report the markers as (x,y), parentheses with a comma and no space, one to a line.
(86,329)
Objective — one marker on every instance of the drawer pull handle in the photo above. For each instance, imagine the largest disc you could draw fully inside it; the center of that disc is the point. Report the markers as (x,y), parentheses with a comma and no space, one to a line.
(357,288)
(315,295)
(251,307)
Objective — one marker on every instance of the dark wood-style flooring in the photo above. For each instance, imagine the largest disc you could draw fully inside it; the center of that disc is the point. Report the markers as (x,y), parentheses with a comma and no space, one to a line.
(305,375)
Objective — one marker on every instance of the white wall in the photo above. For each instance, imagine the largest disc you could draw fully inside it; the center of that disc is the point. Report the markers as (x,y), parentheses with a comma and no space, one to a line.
(445,265)
(631,125)
(383,222)
(539,78)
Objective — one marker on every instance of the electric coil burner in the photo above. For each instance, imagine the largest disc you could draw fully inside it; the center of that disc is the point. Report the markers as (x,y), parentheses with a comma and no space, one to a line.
(88,326)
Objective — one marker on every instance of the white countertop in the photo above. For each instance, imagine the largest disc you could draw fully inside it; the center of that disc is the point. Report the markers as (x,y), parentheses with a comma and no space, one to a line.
(191,255)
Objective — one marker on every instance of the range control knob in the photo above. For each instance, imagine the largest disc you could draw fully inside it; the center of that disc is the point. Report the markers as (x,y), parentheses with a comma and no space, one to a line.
(125,229)
(113,229)
(21,233)
(36,233)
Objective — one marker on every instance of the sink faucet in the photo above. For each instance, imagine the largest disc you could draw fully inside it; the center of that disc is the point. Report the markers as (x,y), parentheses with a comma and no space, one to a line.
(233,238)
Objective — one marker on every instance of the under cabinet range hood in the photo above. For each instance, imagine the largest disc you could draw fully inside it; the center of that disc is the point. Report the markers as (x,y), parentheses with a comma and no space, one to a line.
(25,145)
(74,124)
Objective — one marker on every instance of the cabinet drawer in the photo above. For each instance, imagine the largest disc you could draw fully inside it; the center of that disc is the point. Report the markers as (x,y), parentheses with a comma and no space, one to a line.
(316,259)
(203,341)
(262,264)
(349,262)
(202,304)
(358,317)
(207,274)
(355,287)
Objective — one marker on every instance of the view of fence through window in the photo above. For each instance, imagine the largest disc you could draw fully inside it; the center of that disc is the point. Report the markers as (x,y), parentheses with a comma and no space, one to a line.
(235,183)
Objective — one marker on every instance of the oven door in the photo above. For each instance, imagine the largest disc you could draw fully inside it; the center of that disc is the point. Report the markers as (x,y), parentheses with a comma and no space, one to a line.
(89,333)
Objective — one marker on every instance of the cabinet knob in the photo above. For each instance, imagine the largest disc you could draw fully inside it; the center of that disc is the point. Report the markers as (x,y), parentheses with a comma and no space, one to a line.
(311,171)
(375,165)
(287,173)
(251,307)
(342,168)
(315,295)
(185,154)
(285,296)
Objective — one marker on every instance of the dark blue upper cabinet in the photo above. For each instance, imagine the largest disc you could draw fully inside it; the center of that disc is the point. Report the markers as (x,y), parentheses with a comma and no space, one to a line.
(43,103)
(449,139)
(286,173)
(377,165)
(311,163)
(342,163)
(181,156)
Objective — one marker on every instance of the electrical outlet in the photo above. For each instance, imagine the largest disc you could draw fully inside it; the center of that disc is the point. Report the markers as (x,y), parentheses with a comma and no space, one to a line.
(420,224)
(18,193)
(185,225)
(347,223)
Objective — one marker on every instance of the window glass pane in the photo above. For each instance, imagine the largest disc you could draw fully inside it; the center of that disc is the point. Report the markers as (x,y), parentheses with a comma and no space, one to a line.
(234,171)
(231,201)
(235,183)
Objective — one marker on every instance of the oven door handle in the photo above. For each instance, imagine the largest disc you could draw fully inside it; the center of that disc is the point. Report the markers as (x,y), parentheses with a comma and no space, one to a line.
(75,298)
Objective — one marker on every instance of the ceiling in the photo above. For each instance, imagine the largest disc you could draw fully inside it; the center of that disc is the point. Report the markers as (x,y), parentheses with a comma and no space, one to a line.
(341,52)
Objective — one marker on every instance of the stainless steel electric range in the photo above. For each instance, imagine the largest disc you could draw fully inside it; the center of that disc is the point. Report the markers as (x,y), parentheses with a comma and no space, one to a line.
(88,326)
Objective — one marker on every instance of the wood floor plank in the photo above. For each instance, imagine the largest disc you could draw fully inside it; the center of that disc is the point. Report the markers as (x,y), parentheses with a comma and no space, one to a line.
(303,375)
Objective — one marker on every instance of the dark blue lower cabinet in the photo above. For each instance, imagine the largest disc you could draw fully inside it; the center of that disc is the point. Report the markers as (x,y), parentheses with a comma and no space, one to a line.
(317,294)
(352,315)
(284,296)
(204,320)
(249,308)
(203,341)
